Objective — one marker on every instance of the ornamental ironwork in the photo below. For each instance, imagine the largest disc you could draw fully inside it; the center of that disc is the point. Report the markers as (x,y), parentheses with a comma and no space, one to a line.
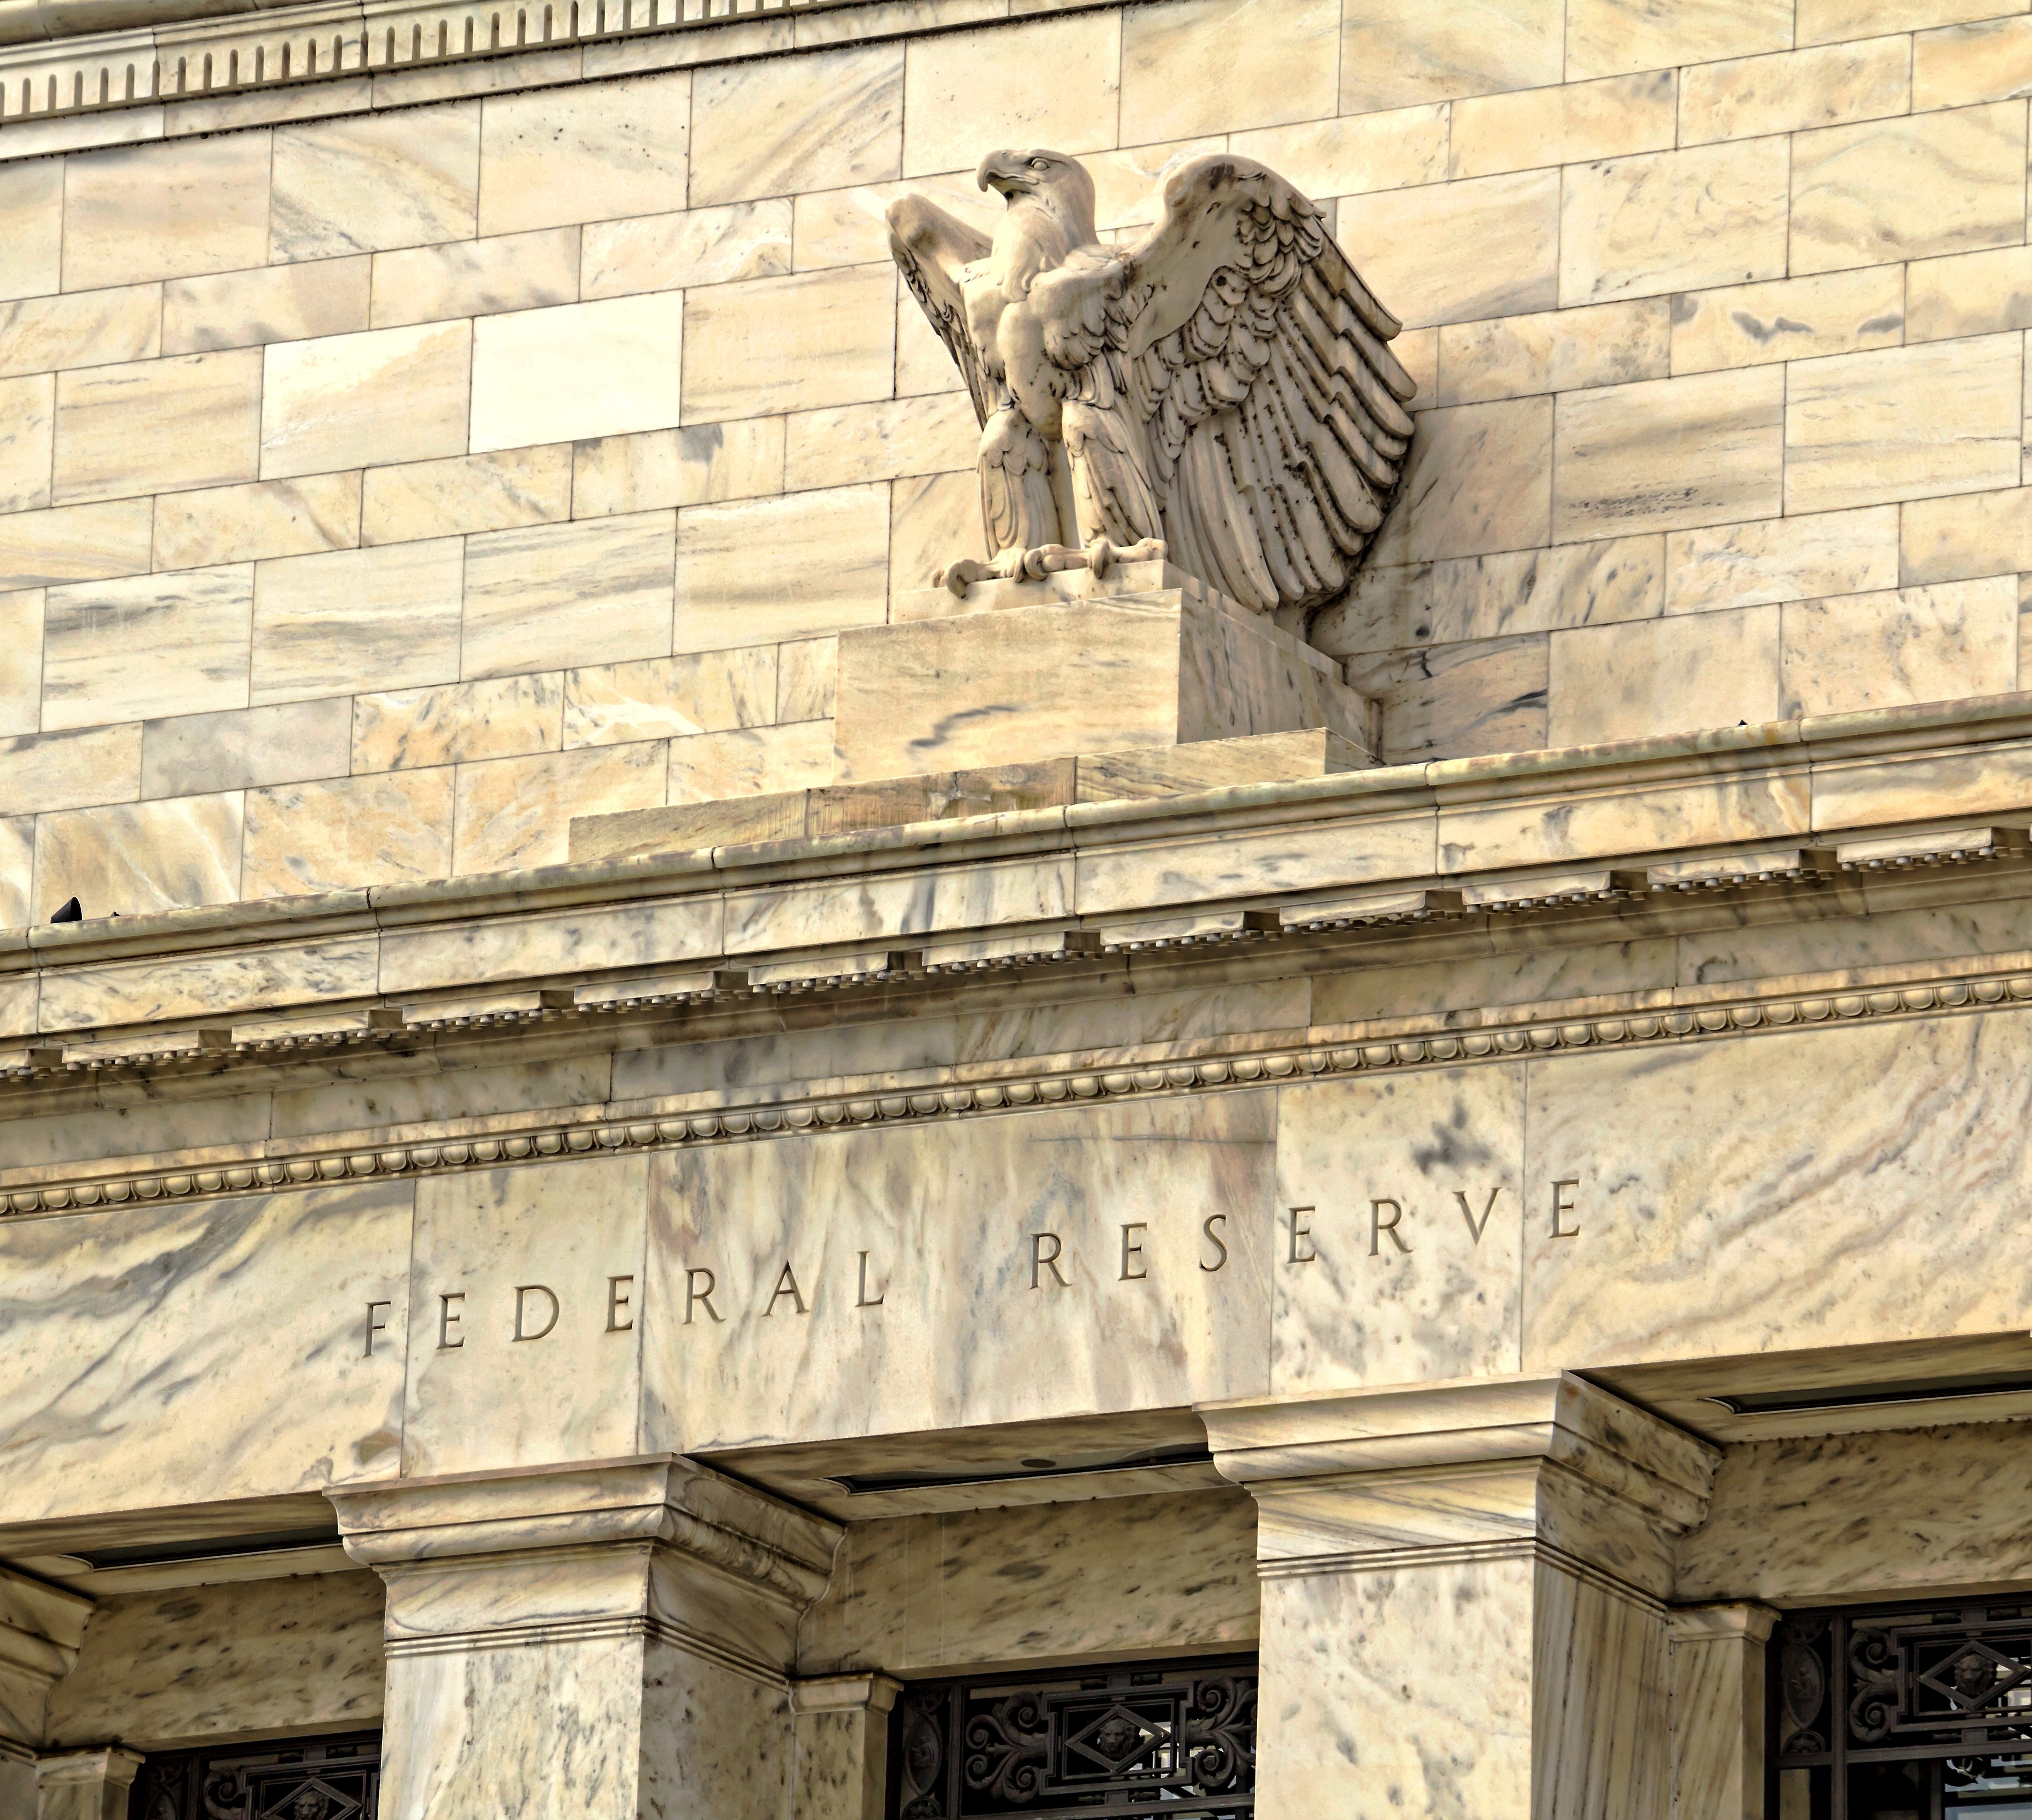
(301,1779)
(1088,1743)
(1908,1712)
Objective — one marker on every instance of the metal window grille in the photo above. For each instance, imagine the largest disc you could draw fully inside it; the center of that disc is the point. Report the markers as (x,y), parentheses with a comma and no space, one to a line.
(1906,1712)
(1082,1744)
(301,1779)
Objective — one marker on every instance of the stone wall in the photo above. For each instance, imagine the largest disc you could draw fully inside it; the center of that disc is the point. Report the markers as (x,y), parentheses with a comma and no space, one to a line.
(380,487)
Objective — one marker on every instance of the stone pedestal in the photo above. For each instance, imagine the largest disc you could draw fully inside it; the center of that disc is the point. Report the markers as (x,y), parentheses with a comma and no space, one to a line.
(603,1642)
(1462,1598)
(1022,671)
(85,1785)
(1718,1710)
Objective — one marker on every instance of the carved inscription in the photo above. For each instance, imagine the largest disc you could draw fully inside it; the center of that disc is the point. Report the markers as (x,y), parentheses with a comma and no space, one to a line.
(1389,1228)
(1395,1227)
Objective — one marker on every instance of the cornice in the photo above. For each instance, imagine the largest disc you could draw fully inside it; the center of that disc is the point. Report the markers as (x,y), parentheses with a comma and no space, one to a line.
(236,63)
(1496,1034)
(1794,748)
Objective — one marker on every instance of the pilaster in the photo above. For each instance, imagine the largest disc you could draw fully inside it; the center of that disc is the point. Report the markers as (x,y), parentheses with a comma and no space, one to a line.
(1718,1710)
(42,1629)
(842,1734)
(1464,1597)
(603,1641)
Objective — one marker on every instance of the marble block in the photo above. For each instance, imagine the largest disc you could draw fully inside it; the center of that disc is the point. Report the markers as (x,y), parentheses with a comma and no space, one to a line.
(1026,674)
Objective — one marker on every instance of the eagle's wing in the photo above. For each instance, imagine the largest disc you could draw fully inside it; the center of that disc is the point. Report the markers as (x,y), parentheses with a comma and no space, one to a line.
(932,248)
(1272,412)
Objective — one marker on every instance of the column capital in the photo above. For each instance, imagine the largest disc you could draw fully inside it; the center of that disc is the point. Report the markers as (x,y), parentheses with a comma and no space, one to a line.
(661,1501)
(111,1764)
(1742,1622)
(42,1629)
(1467,1423)
(1359,1480)
(867,1693)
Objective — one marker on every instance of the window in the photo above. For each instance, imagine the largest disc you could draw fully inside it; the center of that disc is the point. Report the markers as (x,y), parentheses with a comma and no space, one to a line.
(1911,1712)
(298,1779)
(1178,1738)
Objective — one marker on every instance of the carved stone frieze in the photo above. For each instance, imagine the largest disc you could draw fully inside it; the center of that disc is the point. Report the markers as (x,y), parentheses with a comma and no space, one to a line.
(1506,1034)
(67,58)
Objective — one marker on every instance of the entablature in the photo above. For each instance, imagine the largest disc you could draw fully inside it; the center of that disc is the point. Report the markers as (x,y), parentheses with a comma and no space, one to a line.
(1484,861)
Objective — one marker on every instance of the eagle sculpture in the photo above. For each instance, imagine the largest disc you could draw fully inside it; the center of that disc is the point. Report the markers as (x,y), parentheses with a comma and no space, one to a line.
(1220,386)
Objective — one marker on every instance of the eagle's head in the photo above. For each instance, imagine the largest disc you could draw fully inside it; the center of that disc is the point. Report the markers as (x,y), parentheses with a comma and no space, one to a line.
(1048,180)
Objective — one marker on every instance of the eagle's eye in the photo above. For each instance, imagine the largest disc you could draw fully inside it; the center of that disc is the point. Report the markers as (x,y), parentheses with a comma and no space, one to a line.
(1039,164)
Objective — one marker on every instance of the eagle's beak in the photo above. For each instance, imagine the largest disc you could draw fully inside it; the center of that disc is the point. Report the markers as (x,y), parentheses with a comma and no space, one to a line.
(994,175)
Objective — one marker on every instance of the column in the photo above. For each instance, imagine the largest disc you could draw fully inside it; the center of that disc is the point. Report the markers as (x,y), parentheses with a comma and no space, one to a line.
(85,1785)
(842,1734)
(1462,1598)
(600,1642)
(1718,1710)
(41,1628)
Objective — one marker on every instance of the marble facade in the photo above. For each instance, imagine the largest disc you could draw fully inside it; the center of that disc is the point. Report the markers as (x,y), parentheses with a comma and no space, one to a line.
(682,1138)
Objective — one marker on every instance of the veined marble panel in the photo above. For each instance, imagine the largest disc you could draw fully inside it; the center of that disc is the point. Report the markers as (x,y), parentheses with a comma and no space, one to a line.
(377,180)
(148,645)
(1140,877)
(967,1589)
(1406,1197)
(274,974)
(1137,1303)
(899,904)
(543,153)
(818,121)
(218,1661)
(1854,1516)
(634,935)
(31,227)
(1850,1184)
(1367,1725)
(190,754)
(474,278)
(526,1288)
(571,1745)
(1042,81)
(1724,806)
(165,1354)
(134,858)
